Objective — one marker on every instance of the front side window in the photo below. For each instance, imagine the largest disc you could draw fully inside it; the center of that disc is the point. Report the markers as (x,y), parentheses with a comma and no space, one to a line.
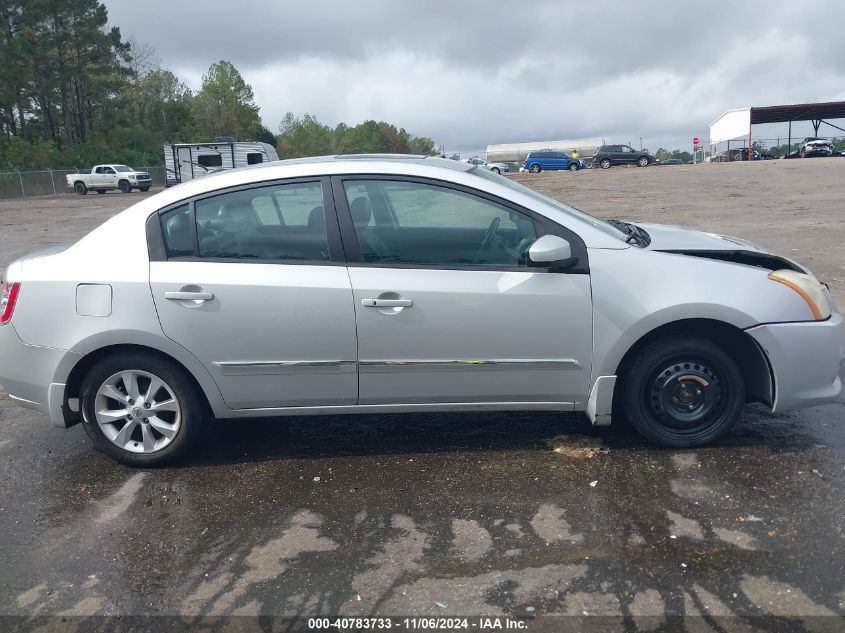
(627,149)
(426,224)
(281,222)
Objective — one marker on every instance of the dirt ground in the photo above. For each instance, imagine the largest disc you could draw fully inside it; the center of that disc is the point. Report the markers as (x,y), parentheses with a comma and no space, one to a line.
(796,208)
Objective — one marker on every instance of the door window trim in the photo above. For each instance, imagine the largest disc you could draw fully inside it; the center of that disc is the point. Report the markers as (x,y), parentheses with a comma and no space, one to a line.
(542,226)
(158,252)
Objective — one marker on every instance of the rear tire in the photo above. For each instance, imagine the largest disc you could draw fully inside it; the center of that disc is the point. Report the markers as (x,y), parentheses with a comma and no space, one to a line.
(171,430)
(604,163)
(124,186)
(80,188)
(535,168)
(643,161)
(682,391)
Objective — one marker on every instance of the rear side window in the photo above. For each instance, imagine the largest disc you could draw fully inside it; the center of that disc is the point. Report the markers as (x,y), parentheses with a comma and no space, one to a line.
(278,222)
(177,232)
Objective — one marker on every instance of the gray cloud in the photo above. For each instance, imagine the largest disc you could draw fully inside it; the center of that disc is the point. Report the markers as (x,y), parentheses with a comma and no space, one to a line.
(473,73)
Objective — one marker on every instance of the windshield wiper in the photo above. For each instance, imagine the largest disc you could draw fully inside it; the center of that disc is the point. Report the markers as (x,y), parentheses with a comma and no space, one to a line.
(635,234)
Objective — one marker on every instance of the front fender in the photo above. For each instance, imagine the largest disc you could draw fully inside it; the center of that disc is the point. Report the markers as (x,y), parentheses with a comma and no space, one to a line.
(637,291)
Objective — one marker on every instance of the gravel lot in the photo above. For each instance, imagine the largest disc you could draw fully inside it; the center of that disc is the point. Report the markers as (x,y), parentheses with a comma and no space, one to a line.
(455,514)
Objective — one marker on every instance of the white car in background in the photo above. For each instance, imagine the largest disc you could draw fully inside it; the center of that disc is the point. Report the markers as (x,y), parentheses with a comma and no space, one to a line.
(499,168)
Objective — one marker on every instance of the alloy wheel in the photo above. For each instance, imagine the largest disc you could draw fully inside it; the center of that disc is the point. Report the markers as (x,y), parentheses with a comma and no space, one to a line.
(137,411)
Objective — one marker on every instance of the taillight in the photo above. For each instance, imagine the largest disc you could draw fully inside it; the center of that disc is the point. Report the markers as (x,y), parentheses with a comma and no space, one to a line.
(7,301)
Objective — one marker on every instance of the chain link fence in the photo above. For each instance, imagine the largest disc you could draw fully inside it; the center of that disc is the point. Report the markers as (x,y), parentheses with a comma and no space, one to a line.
(48,182)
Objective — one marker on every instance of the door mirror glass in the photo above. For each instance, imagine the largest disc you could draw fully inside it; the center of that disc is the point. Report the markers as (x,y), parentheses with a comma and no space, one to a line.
(551,250)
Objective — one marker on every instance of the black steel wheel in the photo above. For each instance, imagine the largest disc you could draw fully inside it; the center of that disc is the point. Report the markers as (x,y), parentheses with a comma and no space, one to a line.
(682,391)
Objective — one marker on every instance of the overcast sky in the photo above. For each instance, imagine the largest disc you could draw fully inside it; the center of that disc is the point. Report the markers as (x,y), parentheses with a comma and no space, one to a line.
(470,73)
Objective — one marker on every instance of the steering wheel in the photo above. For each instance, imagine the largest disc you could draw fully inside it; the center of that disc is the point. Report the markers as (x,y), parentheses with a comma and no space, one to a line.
(487,241)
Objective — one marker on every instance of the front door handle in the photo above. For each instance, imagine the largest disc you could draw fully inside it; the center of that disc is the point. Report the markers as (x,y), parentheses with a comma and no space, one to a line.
(387,303)
(188,296)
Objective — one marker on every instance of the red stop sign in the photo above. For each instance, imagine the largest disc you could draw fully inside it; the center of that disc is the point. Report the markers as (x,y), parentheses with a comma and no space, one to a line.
(695,140)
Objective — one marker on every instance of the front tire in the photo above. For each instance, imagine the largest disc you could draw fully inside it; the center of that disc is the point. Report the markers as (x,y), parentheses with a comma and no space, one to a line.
(140,409)
(80,188)
(144,188)
(643,161)
(124,186)
(495,170)
(535,168)
(604,163)
(101,190)
(682,391)
(573,167)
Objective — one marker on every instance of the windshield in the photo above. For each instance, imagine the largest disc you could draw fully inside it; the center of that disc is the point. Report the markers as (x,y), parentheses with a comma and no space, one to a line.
(122,168)
(601,225)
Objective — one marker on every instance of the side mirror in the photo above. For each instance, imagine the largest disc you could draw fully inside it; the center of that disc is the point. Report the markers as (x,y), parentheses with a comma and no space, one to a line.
(551,251)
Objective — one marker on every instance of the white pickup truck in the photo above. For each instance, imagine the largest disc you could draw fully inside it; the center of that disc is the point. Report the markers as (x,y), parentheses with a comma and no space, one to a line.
(105,177)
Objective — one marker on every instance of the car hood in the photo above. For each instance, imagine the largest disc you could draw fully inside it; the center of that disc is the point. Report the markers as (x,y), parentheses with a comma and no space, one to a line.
(665,237)
(681,241)
(826,143)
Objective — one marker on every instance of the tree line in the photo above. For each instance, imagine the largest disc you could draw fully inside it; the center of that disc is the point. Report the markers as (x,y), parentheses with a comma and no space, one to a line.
(74,92)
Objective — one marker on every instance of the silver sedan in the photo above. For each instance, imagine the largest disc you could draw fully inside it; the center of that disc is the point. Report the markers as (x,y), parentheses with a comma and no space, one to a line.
(398,283)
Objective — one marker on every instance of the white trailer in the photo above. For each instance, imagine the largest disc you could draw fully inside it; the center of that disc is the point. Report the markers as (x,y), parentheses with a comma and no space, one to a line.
(516,152)
(186,161)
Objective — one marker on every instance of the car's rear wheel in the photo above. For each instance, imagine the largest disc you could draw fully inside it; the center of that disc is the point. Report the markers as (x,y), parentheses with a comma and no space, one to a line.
(535,169)
(573,167)
(80,188)
(642,161)
(140,409)
(604,163)
(682,391)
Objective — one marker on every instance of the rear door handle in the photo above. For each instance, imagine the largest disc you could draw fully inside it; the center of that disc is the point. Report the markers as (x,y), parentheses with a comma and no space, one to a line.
(188,296)
(387,303)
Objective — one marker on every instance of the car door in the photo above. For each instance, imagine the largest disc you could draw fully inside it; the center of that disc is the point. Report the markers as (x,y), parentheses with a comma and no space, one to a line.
(627,154)
(109,177)
(448,309)
(253,283)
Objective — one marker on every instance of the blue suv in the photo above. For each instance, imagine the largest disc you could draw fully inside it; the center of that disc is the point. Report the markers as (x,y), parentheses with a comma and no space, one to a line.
(536,162)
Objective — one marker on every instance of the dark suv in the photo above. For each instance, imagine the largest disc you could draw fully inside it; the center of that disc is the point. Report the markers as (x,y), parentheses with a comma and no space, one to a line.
(608,155)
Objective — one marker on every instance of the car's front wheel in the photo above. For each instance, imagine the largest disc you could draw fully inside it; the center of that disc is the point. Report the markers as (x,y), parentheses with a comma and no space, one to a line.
(495,170)
(573,167)
(642,161)
(140,409)
(604,163)
(124,186)
(682,391)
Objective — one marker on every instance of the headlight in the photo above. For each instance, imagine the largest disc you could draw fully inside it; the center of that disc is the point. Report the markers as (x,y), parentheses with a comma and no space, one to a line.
(808,287)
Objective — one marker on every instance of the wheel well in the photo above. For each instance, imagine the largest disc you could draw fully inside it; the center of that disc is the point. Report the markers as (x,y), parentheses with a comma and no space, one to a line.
(752,362)
(81,369)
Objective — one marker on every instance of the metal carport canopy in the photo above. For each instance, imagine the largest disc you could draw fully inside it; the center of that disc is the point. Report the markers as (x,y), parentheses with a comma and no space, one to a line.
(737,123)
(798,112)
